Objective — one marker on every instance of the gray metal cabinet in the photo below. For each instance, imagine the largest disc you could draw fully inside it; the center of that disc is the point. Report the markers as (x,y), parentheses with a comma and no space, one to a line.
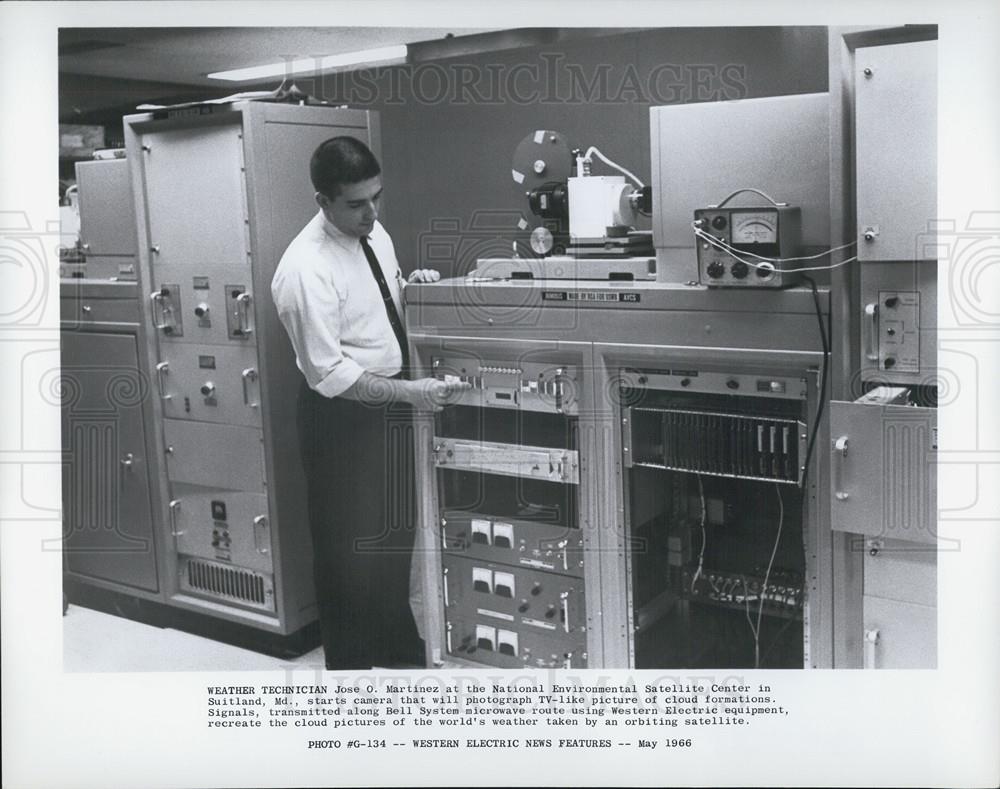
(896,149)
(900,604)
(218,198)
(107,219)
(109,538)
(883,445)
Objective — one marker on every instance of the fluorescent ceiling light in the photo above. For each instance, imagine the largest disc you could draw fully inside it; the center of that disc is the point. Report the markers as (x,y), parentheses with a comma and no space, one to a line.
(319,63)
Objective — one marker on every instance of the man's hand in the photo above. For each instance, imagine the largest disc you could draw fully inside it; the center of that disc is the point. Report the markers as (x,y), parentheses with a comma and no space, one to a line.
(430,394)
(424,275)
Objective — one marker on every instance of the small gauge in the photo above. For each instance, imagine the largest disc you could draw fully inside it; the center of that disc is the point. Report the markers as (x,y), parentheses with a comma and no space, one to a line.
(542,240)
(757,227)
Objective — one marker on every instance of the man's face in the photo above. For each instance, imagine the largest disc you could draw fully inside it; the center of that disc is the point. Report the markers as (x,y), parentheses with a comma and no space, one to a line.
(355,208)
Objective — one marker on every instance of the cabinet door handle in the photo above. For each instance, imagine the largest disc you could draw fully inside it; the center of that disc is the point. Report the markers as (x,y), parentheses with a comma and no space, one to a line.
(243,302)
(261,536)
(444,574)
(872,638)
(839,459)
(564,600)
(871,315)
(158,312)
(162,368)
(174,506)
(249,376)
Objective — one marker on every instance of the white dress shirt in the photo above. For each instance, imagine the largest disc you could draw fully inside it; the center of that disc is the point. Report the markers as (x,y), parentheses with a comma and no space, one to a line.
(331,307)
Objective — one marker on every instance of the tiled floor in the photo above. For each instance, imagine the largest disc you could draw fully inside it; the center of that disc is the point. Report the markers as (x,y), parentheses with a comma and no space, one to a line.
(95,642)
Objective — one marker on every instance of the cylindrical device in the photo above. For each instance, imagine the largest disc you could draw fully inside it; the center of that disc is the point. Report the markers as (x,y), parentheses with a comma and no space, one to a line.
(550,201)
(542,241)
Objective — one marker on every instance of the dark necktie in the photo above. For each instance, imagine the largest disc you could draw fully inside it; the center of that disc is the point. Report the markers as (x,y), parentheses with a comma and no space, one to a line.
(390,305)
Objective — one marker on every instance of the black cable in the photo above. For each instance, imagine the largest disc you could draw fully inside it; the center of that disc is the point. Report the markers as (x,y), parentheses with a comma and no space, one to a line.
(822,381)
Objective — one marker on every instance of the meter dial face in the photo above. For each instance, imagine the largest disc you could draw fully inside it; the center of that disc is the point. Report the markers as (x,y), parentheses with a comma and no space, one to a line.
(759,227)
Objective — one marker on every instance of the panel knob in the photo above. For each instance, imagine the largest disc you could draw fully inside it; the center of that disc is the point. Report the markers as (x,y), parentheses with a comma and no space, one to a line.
(208,388)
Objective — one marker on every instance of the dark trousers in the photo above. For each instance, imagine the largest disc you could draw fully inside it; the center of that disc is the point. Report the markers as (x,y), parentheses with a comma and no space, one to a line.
(358,461)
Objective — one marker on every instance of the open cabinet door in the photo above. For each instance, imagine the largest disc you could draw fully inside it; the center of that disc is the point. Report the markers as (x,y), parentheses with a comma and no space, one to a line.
(883,472)
(884,486)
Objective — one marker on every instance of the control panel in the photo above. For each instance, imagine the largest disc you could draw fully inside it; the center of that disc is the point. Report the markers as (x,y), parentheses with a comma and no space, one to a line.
(526,385)
(512,616)
(527,544)
(507,463)
(895,331)
(747,247)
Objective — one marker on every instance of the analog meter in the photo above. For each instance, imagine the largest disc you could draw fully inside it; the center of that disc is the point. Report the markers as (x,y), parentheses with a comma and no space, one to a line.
(755,227)
(748,246)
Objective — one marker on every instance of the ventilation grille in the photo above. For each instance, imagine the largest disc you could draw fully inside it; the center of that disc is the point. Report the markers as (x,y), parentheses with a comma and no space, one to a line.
(93,502)
(227,583)
(908,468)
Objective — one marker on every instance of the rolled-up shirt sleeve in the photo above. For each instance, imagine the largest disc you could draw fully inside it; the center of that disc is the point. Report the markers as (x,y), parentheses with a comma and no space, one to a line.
(311,311)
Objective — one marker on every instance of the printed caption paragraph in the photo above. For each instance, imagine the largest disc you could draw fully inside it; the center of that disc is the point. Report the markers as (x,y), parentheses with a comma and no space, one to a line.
(375,714)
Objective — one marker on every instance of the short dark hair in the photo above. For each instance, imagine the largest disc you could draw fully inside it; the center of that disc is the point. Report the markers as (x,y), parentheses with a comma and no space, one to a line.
(341,160)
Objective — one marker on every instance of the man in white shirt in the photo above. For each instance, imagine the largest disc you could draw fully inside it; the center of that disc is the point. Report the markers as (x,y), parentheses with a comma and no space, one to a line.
(338,293)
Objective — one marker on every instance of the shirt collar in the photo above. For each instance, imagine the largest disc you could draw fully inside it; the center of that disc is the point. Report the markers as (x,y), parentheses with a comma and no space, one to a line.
(338,235)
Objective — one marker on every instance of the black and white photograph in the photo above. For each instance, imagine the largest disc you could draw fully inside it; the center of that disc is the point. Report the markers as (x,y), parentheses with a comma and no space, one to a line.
(523,386)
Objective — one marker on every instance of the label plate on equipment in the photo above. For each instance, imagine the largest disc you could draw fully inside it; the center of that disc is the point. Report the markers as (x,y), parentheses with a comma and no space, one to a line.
(603,296)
